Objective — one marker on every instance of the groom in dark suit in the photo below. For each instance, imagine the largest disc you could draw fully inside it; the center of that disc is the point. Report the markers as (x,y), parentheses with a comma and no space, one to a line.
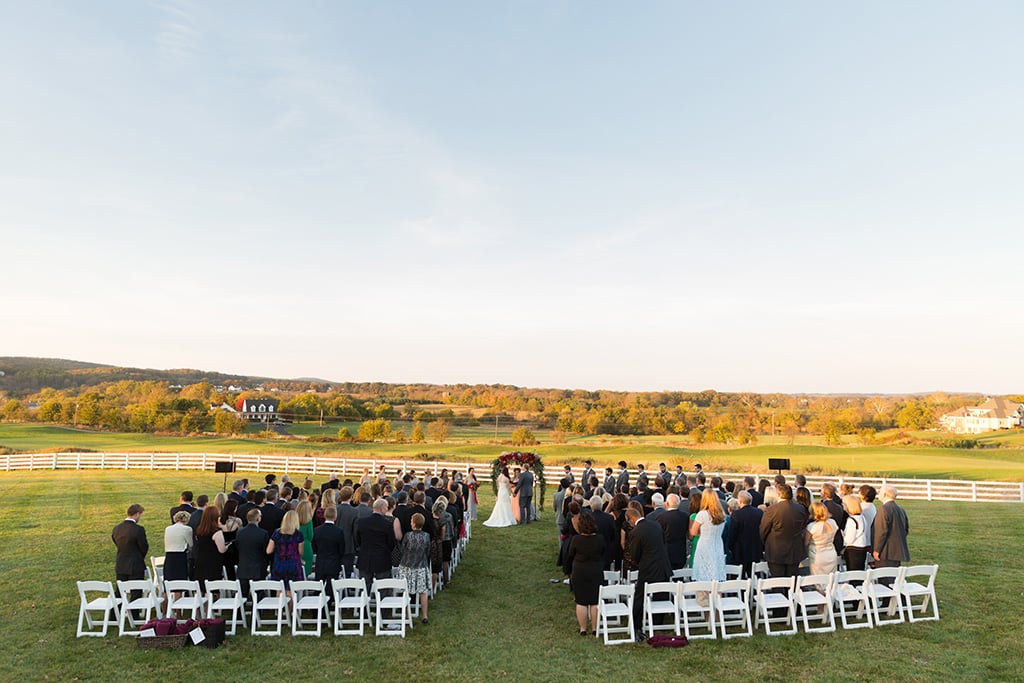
(524,488)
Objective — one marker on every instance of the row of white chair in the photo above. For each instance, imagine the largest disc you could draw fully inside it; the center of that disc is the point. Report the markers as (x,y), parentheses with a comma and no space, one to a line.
(732,571)
(306,612)
(707,609)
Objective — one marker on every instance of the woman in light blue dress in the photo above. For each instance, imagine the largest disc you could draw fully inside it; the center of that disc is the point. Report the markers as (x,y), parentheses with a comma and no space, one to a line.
(709,557)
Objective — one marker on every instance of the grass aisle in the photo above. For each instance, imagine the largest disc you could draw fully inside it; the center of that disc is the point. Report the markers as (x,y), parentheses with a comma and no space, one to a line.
(500,618)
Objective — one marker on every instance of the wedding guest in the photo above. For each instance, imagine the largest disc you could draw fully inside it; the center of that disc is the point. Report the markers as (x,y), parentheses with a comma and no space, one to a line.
(709,523)
(694,504)
(889,536)
(209,548)
(252,543)
(414,565)
(329,547)
(586,557)
(286,547)
(473,485)
(605,529)
(374,541)
(305,513)
(867,508)
(855,535)
(802,495)
(745,543)
(647,550)
(177,544)
(782,532)
(229,525)
(821,550)
(130,539)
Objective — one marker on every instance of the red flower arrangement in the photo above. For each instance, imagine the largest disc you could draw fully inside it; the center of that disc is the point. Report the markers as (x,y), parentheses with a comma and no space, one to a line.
(519,458)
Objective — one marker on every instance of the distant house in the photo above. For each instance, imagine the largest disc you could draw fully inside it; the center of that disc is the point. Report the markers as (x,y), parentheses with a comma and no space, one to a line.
(222,406)
(262,409)
(995,413)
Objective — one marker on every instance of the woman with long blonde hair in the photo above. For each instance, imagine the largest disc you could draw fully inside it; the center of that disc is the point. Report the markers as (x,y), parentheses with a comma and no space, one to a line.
(709,557)
(286,547)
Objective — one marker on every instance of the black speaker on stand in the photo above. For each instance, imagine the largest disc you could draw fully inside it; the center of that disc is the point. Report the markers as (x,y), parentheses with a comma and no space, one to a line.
(778,464)
(225,466)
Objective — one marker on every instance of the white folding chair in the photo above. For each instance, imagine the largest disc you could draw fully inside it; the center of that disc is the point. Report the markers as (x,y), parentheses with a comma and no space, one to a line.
(309,597)
(190,598)
(225,597)
(611,578)
(733,571)
(767,600)
(696,608)
(97,598)
(850,588)
(350,594)
(156,573)
(661,597)
(629,578)
(683,574)
(815,592)
(924,589)
(731,600)
(759,570)
(393,613)
(883,586)
(615,613)
(268,597)
(148,602)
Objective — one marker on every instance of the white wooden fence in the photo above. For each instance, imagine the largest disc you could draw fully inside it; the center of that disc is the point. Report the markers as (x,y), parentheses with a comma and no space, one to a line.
(323,466)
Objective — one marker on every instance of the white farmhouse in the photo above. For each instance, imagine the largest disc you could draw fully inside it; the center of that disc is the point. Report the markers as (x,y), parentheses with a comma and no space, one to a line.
(259,409)
(995,413)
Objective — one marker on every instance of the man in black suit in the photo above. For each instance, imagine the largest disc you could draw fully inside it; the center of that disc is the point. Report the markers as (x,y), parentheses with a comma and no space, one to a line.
(830,498)
(588,472)
(749,485)
(270,514)
(889,533)
(745,545)
(623,479)
(197,514)
(331,483)
(434,491)
(609,482)
(641,477)
(347,516)
(647,548)
(606,529)
(375,539)
(251,542)
(329,546)
(782,532)
(237,492)
(130,538)
(253,501)
(675,527)
(185,504)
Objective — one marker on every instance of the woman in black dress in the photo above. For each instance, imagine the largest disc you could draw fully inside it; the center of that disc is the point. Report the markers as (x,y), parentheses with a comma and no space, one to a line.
(586,557)
(209,548)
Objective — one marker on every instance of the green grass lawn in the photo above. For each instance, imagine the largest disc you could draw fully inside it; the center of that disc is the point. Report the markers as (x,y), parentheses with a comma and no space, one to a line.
(500,618)
(476,445)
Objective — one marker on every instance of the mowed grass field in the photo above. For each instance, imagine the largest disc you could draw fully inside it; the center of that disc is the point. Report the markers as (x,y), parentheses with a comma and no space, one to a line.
(501,618)
(476,444)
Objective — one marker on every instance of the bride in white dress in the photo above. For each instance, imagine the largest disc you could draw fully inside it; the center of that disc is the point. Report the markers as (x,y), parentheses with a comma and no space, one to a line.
(502,514)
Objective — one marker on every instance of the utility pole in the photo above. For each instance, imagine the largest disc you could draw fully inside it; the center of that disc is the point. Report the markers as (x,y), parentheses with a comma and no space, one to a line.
(495,428)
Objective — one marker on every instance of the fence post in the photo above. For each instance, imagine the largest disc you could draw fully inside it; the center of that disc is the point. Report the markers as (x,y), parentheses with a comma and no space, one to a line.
(259,461)
(929,489)
(103,461)
(54,461)
(78,464)
(1022,492)
(152,461)
(974,491)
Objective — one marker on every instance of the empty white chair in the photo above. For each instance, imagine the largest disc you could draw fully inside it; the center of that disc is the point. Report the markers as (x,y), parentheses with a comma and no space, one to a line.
(309,607)
(883,586)
(393,613)
(611,578)
(99,607)
(849,588)
(615,613)
(156,573)
(923,588)
(767,600)
(684,574)
(351,595)
(225,598)
(733,571)
(632,576)
(190,598)
(759,570)
(147,602)
(731,601)
(661,597)
(815,593)
(696,608)
(269,607)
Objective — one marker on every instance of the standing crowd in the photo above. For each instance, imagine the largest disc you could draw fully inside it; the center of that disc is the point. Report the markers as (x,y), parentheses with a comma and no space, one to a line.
(293,532)
(655,525)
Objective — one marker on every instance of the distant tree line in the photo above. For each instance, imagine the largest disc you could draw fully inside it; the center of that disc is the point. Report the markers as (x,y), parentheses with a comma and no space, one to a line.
(429,411)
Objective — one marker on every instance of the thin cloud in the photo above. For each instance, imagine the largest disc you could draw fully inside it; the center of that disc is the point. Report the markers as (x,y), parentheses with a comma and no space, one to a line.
(178,36)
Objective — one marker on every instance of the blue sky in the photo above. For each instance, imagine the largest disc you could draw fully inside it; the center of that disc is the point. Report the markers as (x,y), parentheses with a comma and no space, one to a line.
(793,196)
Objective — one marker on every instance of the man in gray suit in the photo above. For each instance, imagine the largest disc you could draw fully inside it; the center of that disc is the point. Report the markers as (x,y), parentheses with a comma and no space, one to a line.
(623,479)
(524,487)
(889,535)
